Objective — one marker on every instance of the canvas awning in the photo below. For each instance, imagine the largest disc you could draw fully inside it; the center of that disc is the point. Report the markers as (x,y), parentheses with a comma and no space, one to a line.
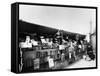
(30,28)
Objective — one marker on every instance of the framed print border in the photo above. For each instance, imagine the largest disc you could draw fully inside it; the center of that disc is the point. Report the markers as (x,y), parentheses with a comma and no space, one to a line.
(15,29)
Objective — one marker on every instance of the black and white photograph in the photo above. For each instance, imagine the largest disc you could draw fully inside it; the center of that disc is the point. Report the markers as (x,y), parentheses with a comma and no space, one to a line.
(54,37)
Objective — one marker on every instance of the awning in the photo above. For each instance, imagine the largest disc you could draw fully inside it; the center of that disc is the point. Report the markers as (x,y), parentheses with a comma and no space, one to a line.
(30,28)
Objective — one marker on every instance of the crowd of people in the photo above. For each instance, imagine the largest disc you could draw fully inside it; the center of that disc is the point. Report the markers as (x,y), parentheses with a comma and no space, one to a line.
(67,48)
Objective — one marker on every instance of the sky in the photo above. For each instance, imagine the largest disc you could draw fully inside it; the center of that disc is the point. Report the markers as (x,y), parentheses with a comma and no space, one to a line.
(78,20)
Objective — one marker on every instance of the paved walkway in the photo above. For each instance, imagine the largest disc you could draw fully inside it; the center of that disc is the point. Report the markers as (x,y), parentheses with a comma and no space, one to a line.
(82,64)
